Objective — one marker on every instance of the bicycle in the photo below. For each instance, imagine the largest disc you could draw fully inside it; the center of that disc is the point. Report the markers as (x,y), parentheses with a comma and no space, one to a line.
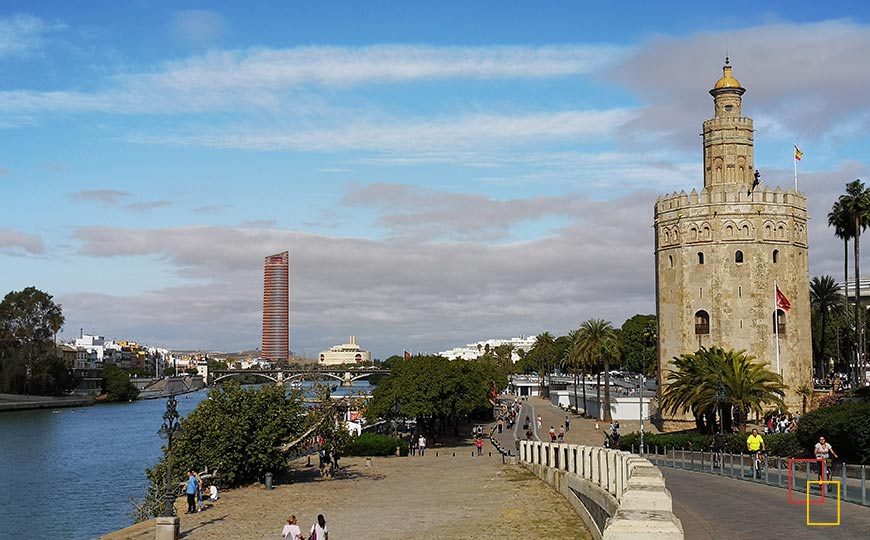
(758,463)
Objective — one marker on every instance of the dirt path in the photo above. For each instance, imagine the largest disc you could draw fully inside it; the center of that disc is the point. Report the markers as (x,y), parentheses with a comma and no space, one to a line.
(443,497)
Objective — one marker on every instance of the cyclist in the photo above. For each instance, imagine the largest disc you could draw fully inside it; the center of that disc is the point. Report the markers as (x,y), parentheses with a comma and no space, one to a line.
(822,451)
(755,445)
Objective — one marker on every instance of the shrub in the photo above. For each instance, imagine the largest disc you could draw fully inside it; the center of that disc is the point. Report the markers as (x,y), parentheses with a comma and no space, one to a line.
(846,426)
(373,444)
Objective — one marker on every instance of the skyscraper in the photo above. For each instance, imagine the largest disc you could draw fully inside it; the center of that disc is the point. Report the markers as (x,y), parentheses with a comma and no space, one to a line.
(276,307)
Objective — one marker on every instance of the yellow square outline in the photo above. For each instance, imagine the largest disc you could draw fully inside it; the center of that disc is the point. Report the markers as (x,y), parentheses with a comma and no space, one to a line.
(821,484)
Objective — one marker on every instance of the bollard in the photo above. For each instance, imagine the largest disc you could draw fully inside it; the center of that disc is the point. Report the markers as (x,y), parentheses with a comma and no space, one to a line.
(309,461)
(268,480)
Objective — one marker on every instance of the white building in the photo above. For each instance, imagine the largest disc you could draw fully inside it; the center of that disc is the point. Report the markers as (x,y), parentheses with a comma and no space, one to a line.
(473,351)
(348,353)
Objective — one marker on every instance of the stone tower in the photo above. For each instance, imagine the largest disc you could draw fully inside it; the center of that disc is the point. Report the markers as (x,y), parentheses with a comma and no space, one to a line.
(719,252)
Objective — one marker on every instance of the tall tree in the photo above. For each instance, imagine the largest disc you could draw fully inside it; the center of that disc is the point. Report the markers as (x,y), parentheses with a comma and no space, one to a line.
(825,299)
(638,344)
(545,349)
(574,360)
(842,225)
(855,204)
(748,385)
(598,342)
(29,363)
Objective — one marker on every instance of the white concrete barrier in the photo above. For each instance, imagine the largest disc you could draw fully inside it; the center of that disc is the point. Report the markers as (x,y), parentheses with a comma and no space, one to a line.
(618,495)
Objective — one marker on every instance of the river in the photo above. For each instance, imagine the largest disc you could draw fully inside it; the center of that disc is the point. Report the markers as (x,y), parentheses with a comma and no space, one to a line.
(70,473)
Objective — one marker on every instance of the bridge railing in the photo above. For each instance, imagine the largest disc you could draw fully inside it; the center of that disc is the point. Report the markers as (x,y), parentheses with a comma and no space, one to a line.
(618,495)
(775,471)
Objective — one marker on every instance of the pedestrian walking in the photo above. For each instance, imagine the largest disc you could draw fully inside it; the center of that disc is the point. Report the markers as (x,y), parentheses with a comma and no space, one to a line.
(479,443)
(552,434)
(421,444)
(199,506)
(597,428)
(561,433)
(567,423)
(318,530)
(540,423)
(291,530)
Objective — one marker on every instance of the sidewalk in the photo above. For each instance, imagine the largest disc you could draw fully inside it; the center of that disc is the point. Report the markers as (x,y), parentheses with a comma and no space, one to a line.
(582,430)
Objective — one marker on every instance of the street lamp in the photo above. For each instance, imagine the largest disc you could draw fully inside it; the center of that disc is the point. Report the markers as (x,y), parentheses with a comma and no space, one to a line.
(720,400)
(171,427)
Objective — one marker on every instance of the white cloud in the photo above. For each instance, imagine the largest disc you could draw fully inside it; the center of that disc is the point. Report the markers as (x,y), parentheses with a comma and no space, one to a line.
(108,197)
(21,34)
(16,243)
(224,81)
(478,130)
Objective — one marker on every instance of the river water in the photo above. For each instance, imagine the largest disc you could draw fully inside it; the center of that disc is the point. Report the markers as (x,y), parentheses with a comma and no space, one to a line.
(70,473)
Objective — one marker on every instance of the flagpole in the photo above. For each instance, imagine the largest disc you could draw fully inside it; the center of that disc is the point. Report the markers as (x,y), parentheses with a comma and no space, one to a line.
(794,159)
(776,326)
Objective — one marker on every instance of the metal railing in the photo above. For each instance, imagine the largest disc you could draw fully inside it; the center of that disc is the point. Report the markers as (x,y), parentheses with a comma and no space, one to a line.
(774,470)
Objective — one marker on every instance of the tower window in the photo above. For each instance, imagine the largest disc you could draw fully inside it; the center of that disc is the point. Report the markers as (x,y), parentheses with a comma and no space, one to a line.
(775,256)
(729,108)
(702,323)
(738,256)
(671,261)
(700,257)
(779,321)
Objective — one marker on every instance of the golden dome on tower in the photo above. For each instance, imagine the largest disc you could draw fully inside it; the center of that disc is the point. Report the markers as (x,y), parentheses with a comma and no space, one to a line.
(727,81)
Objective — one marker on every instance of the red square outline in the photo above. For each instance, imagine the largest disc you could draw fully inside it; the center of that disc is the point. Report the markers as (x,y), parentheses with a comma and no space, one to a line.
(791,462)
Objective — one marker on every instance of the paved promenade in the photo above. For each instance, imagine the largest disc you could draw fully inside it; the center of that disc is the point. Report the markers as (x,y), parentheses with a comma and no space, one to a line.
(444,498)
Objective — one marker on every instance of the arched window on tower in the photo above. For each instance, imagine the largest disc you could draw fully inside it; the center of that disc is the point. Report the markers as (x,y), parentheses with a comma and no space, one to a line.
(738,256)
(671,261)
(700,257)
(775,256)
(702,322)
(779,321)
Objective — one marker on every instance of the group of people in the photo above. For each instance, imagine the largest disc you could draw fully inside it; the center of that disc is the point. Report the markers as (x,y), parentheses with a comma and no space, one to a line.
(783,423)
(318,531)
(417,444)
(194,491)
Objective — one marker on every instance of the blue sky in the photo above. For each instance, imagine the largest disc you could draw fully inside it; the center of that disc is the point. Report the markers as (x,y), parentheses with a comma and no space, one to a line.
(439,174)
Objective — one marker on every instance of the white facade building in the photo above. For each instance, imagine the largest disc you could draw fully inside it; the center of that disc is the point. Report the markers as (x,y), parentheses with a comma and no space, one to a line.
(473,351)
(348,353)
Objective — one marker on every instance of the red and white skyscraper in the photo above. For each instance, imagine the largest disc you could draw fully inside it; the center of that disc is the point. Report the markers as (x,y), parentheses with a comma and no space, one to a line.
(276,307)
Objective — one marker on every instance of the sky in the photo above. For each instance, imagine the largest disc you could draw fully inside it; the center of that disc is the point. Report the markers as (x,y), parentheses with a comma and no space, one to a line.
(439,172)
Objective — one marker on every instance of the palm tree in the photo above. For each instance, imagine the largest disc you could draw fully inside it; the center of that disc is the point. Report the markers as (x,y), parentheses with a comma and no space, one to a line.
(598,342)
(842,229)
(749,386)
(545,349)
(574,360)
(825,298)
(855,206)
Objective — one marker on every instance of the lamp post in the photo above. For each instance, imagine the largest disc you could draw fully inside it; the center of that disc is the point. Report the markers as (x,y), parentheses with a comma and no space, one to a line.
(720,400)
(168,525)
(640,398)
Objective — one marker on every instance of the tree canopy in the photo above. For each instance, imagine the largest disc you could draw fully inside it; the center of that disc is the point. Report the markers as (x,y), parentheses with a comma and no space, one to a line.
(439,393)
(29,361)
(637,343)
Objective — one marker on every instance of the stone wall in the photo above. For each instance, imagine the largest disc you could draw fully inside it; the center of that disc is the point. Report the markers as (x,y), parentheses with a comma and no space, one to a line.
(618,495)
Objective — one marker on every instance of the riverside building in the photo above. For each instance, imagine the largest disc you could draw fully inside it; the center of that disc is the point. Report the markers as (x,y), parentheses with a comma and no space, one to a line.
(348,353)
(719,252)
(276,307)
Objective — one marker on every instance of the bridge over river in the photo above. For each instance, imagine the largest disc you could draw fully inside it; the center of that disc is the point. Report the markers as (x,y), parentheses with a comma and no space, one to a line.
(291,375)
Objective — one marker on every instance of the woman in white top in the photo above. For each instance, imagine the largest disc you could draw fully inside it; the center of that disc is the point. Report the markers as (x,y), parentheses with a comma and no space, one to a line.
(318,530)
(291,530)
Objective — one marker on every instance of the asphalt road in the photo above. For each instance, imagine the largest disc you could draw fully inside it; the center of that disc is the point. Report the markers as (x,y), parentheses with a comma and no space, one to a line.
(711,507)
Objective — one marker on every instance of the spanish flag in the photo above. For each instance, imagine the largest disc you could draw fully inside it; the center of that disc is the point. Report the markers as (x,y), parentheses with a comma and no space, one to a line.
(797,153)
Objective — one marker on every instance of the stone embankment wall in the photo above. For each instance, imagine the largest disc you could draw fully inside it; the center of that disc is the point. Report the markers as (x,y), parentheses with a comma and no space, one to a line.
(16,402)
(618,495)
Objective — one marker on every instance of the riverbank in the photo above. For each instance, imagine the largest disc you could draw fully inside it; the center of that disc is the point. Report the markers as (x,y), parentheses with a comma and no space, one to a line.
(16,402)
(430,497)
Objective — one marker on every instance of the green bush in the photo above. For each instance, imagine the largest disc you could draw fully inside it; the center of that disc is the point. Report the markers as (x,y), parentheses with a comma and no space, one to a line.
(372,444)
(845,426)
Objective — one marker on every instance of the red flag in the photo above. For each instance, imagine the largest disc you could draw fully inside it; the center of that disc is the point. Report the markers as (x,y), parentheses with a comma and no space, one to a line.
(781,301)
(407,355)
